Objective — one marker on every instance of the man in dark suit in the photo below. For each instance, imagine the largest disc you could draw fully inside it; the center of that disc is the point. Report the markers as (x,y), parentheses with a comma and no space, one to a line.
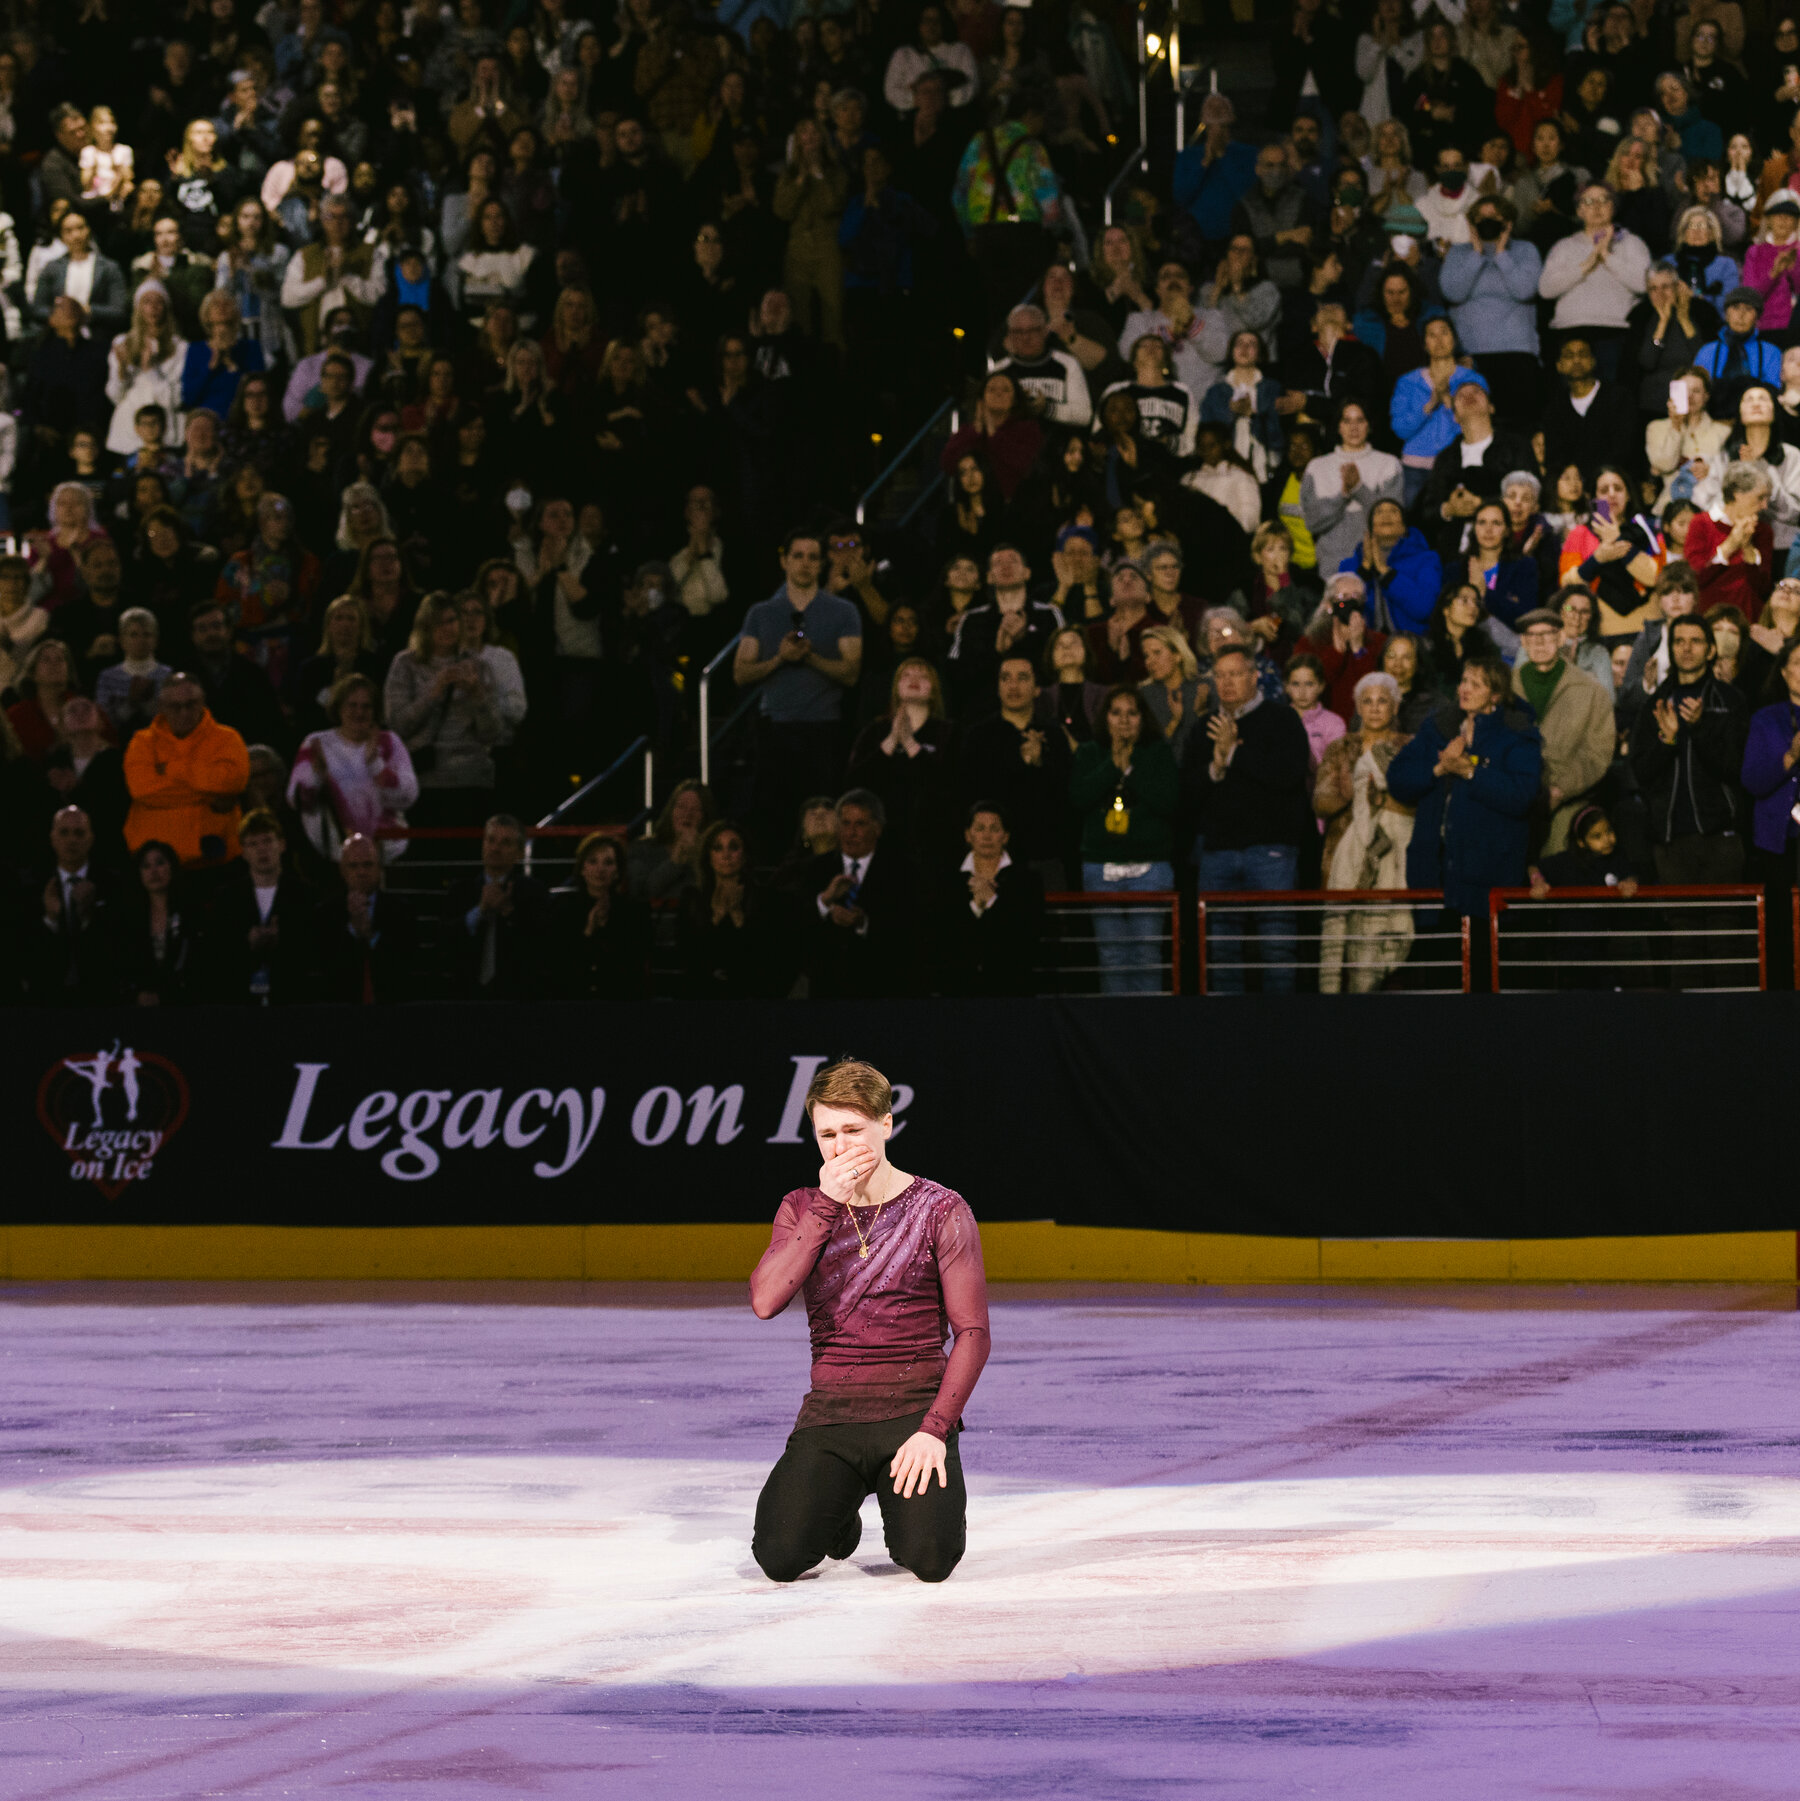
(1469,469)
(991,914)
(71,958)
(861,936)
(368,940)
(497,927)
(259,947)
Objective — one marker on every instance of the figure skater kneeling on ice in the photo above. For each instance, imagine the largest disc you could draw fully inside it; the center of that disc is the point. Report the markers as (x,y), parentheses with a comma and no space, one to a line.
(890,1264)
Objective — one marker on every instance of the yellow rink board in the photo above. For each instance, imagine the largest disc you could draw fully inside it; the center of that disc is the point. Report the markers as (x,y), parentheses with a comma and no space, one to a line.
(1022,1251)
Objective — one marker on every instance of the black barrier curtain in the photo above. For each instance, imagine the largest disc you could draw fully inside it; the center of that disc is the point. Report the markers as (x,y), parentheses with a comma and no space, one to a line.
(1341,1118)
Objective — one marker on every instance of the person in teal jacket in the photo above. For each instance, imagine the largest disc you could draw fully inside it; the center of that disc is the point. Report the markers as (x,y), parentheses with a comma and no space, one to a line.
(1125,789)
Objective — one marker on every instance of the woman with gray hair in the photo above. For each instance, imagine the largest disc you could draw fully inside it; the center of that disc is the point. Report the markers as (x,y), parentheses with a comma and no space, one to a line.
(1732,546)
(127,692)
(1367,832)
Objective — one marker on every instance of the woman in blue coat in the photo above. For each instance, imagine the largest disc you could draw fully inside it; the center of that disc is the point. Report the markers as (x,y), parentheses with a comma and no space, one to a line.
(1472,771)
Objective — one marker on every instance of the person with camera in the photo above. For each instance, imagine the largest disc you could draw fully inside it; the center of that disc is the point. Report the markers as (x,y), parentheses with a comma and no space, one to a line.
(1347,647)
(802,650)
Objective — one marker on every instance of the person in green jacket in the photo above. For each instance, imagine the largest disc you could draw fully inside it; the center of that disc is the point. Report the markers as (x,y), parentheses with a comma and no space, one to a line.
(1125,789)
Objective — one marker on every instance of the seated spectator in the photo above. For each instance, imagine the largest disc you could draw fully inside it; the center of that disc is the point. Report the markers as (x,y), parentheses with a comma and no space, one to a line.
(1402,658)
(367,940)
(1367,833)
(46,680)
(185,772)
(970,525)
(736,937)
(1248,784)
(71,956)
(1240,293)
(1473,772)
(1173,693)
(1342,489)
(1050,375)
(158,948)
(668,860)
(1125,791)
(1575,724)
(601,930)
(1198,341)
(990,915)
(1400,573)
(441,703)
(1222,628)
(1163,563)
(127,689)
(1732,548)
(1740,352)
(862,928)
(498,924)
(144,380)
(1529,532)
(1687,753)
(268,588)
(90,622)
(57,554)
(1593,859)
(259,946)
(506,679)
(1392,328)
(352,778)
(1275,603)
(905,756)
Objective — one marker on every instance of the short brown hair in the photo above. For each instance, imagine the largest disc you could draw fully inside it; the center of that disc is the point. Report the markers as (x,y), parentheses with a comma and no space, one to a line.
(260,819)
(849,1083)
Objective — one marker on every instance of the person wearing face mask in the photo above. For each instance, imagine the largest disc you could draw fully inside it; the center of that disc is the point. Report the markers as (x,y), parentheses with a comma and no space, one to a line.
(1491,283)
(1446,202)
(1279,217)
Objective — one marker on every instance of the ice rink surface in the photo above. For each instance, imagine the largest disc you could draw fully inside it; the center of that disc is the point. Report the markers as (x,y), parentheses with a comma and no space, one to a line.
(448,1540)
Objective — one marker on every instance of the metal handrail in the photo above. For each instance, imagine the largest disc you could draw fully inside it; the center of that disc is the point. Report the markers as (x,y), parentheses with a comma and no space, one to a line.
(887,474)
(706,676)
(1135,160)
(641,742)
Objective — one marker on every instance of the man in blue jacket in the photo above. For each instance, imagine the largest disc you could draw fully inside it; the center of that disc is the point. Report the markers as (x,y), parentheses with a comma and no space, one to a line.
(1472,770)
(1401,571)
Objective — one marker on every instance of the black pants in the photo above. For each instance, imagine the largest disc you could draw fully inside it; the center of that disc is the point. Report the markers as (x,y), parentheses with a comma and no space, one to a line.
(1701,860)
(821,1481)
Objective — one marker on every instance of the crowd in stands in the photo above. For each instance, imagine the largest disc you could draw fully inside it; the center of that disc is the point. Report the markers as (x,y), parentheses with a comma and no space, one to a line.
(407,401)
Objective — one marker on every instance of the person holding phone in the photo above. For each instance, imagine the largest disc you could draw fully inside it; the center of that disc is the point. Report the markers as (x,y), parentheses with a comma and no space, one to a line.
(887,1262)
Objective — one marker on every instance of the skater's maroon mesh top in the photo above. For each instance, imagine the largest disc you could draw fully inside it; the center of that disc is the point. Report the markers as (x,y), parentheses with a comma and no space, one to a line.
(879,1323)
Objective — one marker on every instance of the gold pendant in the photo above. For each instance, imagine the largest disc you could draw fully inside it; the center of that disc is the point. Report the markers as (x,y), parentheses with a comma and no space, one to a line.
(865,1250)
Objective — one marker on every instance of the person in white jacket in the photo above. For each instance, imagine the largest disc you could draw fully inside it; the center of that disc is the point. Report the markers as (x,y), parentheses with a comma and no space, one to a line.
(1596,276)
(1051,376)
(144,369)
(933,51)
(1341,489)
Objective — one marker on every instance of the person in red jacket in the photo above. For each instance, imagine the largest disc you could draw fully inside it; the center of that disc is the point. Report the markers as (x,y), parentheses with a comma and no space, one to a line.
(1002,431)
(1732,549)
(1347,647)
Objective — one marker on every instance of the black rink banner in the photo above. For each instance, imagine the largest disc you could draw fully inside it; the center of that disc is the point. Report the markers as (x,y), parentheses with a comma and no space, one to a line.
(1383,1116)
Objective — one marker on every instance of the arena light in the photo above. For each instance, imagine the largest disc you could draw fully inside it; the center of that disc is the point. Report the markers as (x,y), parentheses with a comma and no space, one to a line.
(1154,45)
(874,437)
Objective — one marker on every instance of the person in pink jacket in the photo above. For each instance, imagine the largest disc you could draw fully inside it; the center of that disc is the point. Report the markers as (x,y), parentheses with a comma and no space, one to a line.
(1770,264)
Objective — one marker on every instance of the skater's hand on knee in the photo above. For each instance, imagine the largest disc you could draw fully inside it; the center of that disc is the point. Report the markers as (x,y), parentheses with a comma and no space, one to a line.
(916,1461)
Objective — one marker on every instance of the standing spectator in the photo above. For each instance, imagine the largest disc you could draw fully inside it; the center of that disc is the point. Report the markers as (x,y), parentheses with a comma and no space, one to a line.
(70,959)
(905,757)
(498,923)
(1472,771)
(1592,421)
(1366,842)
(668,860)
(259,931)
(353,778)
(216,365)
(1740,352)
(1021,765)
(1001,431)
(1009,621)
(1669,328)
(1772,779)
(127,690)
(1214,172)
(1125,788)
(1401,574)
(1421,409)
(736,936)
(440,702)
(801,648)
(1172,691)
(1575,723)
(1687,753)
(1732,548)
(82,274)
(991,914)
(186,773)
(1469,469)
(367,940)
(1595,277)
(602,930)
(1249,784)
(1341,489)
(159,936)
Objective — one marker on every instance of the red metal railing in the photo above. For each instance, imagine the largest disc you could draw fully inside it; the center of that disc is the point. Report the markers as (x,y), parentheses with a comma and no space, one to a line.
(1650,915)
(1317,905)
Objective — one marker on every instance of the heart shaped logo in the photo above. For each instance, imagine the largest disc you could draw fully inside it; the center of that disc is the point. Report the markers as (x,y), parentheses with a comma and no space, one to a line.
(112,1111)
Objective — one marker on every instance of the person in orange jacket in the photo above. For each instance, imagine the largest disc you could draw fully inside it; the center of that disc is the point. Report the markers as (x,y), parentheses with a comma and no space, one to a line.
(186,773)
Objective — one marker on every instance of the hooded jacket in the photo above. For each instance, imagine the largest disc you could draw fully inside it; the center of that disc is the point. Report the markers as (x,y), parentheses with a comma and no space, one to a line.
(173,782)
(1470,833)
(1408,592)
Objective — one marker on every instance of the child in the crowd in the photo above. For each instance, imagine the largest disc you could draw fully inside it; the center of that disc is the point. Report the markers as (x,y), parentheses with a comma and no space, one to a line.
(1593,859)
(1305,683)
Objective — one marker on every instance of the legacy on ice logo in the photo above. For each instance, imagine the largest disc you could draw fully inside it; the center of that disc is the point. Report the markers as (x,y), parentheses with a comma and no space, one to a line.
(112,1111)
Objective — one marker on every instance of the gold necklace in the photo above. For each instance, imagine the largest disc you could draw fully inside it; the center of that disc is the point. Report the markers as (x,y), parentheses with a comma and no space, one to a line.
(857,1224)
